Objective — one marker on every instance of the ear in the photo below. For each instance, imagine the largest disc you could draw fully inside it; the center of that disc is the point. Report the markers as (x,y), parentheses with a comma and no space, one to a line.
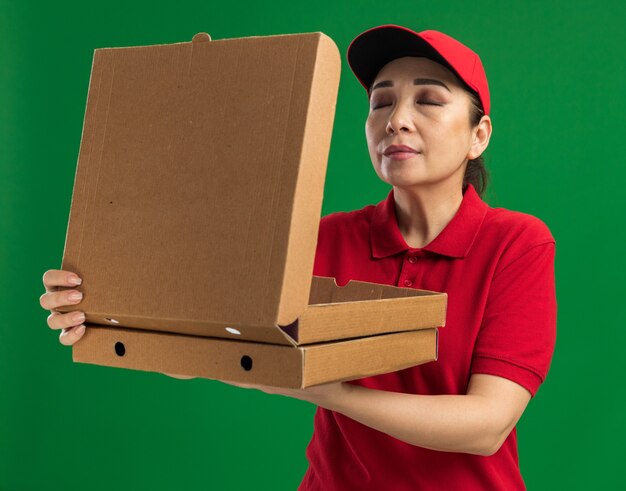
(481,134)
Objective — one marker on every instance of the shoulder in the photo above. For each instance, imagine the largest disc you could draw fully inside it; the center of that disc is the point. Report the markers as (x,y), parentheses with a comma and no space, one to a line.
(514,234)
(342,222)
(516,226)
(343,236)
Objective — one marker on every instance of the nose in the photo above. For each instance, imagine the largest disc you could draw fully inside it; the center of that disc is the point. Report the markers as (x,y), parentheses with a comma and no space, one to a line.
(400,120)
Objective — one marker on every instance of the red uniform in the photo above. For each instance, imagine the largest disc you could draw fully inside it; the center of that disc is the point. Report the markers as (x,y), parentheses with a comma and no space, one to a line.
(497,267)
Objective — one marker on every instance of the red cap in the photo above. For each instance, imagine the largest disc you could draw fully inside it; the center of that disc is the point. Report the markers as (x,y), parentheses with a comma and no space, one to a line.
(374,48)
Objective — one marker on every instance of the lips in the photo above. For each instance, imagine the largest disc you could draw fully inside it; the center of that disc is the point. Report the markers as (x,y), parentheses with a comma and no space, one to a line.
(391,149)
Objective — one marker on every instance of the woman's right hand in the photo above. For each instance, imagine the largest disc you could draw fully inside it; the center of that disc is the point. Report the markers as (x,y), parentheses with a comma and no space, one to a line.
(70,323)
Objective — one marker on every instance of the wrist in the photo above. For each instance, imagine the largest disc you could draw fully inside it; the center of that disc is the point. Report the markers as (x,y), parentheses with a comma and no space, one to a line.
(335,399)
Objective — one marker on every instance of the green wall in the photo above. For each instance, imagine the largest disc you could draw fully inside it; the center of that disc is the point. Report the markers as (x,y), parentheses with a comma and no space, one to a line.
(557,79)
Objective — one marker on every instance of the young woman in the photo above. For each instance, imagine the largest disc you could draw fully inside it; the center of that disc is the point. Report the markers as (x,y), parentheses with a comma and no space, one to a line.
(448,424)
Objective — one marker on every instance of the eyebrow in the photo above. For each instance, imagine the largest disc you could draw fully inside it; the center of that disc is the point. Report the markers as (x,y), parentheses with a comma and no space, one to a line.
(417,81)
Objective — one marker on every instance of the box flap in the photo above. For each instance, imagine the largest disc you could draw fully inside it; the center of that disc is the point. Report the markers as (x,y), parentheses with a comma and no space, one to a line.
(200,177)
(360,309)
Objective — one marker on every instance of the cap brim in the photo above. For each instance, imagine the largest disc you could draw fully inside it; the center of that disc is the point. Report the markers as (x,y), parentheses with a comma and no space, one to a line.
(373,49)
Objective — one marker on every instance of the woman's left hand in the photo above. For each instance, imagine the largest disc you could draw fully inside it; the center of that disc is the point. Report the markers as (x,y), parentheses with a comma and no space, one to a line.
(326,395)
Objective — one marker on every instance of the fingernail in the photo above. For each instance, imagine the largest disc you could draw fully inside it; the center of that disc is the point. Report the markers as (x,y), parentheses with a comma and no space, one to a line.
(80,329)
(78,318)
(75,280)
(75,296)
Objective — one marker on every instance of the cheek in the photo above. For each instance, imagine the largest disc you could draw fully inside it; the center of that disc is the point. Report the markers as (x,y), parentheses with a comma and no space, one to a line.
(372,137)
(451,135)
(369,128)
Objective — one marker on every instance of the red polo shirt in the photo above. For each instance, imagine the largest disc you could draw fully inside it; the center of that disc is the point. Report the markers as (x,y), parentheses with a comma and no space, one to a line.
(497,267)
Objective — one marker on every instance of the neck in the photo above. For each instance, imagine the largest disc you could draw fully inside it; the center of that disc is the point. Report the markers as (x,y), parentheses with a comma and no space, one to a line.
(423,212)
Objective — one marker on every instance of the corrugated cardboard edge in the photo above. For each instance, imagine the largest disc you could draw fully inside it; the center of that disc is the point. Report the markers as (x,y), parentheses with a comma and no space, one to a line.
(368,356)
(201,40)
(85,149)
(211,358)
(312,174)
(369,318)
(254,363)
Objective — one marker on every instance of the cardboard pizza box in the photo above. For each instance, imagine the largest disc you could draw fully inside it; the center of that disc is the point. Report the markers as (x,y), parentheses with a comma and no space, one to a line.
(195,214)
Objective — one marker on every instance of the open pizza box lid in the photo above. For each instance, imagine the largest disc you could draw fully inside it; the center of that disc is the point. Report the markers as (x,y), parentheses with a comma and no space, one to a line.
(198,194)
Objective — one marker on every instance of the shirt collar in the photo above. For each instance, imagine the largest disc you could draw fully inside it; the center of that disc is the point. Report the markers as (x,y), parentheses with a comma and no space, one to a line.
(455,240)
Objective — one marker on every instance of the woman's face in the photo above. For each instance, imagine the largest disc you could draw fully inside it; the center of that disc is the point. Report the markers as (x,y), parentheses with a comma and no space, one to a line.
(418,103)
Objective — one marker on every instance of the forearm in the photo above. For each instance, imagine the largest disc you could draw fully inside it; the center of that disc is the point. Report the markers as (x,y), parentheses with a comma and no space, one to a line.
(453,423)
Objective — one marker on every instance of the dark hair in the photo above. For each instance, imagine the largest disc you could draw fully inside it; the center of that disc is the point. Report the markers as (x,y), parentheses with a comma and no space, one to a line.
(476,173)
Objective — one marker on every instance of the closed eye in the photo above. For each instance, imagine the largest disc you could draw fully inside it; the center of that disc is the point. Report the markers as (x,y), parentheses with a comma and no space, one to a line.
(427,103)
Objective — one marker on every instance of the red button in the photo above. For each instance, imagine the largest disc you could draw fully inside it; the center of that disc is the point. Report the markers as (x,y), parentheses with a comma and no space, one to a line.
(408,282)
(412,259)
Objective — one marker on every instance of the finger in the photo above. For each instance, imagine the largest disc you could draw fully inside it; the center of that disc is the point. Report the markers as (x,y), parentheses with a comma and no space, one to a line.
(53,300)
(71,335)
(58,320)
(182,377)
(237,384)
(54,278)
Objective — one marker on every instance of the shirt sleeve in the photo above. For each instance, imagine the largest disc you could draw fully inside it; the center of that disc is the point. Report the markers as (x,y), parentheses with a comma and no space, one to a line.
(518,332)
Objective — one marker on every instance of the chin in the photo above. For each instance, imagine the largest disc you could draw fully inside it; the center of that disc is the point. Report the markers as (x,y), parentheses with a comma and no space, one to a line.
(403,177)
